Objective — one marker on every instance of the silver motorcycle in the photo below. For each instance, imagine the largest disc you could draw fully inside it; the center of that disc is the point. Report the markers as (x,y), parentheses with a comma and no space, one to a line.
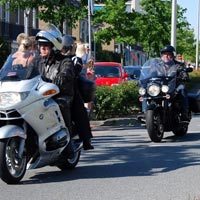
(33,133)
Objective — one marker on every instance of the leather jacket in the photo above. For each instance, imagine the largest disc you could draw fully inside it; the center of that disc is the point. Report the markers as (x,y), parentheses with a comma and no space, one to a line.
(59,70)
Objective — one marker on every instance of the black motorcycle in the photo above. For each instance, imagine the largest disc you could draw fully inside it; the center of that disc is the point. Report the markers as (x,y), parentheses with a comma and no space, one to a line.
(161,99)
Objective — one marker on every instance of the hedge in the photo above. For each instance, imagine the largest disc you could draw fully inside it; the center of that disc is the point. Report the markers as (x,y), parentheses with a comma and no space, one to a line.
(116,101)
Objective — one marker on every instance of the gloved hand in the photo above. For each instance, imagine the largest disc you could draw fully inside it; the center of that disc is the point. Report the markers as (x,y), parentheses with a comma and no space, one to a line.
(184,76)
(59,79)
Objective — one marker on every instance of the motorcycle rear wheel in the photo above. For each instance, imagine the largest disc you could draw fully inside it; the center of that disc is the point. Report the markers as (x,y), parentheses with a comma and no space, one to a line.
(12,167)
(70,163)
(181,128)
(154,126)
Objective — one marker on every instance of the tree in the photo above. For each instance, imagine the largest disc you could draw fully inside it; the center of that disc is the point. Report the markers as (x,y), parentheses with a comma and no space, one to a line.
(155,27)
(186,44)
(151,28)
(53,11)
(118,24)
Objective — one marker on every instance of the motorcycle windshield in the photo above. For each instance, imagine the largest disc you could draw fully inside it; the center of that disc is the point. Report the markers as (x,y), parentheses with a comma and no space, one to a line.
(16,71)
(156,68)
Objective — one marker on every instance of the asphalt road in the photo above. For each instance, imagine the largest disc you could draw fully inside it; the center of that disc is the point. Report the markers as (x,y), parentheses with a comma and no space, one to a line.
(125,165)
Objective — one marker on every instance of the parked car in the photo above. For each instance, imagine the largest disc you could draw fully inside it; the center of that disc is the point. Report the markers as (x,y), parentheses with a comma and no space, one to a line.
(133,72)
(109,73)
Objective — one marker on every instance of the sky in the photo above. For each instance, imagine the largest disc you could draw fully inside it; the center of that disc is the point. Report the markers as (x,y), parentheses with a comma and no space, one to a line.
(191,13)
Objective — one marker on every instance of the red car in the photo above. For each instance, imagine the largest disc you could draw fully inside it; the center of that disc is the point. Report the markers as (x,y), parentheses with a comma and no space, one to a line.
(109,73)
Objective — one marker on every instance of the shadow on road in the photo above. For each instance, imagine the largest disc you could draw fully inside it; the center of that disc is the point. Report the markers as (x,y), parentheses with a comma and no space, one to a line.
(128,155)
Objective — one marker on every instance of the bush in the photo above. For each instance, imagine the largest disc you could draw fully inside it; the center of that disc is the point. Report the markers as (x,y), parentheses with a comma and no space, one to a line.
(194,79)
(116,101)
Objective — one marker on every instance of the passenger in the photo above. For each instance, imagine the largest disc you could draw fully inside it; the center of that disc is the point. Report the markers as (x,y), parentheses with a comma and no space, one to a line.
(82,52)
(79,113)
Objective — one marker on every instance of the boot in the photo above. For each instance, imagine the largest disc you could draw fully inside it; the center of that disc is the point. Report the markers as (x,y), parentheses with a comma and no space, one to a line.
(87,145)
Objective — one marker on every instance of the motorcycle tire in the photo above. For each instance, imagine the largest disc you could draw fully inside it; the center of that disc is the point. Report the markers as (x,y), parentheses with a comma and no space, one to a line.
(12,167)
(70,163)
(154,126)
(181,128)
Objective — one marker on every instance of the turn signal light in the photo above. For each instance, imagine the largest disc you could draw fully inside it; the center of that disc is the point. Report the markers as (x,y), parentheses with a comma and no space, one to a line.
(49,92)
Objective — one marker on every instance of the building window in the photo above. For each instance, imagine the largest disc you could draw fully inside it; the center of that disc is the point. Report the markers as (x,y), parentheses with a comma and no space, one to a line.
(7,14)
(83,30)
(18,16)
(2,13)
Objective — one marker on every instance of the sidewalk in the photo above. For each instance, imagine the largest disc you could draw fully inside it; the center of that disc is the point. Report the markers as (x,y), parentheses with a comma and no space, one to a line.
(124,121)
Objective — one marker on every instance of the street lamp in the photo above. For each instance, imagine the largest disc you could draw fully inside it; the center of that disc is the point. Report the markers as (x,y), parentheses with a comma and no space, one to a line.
(197,42)
(173,23)
(26,20)
(90,12)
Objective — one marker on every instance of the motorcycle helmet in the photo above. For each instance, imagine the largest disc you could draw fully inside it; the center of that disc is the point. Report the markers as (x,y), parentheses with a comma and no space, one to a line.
(168,48)
(50,34)
(67,43)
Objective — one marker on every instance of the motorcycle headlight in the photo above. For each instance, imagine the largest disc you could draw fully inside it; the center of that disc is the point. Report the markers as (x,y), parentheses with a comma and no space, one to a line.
(11,98)
(142,91)
(153,90)
(165,88)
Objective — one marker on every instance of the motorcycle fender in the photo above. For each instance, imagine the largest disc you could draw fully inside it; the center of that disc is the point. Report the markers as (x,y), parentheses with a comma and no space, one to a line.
(9,131)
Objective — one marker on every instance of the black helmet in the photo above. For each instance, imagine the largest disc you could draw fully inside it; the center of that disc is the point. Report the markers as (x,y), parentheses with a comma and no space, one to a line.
(168,48)
(67,43)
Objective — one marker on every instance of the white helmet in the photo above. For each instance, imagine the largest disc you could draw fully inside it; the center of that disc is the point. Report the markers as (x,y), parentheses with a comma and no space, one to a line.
(52,35)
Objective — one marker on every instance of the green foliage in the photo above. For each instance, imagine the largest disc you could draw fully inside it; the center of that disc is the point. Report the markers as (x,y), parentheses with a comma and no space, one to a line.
(155,23)
(186,46)
(4,51)
(151,28)
(53,11)
(120,24)
(116,101)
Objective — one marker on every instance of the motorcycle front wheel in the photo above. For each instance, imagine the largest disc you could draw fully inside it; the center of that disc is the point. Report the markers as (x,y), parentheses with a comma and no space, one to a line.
(12,166)
(154,126)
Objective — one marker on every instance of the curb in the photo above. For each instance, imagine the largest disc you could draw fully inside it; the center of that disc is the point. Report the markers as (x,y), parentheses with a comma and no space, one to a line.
(125,121)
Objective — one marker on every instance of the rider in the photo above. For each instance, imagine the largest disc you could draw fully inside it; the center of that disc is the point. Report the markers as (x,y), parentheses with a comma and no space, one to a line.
(58,69)
(79,114)
(168,57)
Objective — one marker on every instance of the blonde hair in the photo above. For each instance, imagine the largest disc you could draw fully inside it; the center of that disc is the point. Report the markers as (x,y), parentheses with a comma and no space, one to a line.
(21,37)
(25,44)
(80,50)
(33,42)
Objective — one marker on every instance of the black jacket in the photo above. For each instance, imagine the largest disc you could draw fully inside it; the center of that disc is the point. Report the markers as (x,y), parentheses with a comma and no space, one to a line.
(59,70)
